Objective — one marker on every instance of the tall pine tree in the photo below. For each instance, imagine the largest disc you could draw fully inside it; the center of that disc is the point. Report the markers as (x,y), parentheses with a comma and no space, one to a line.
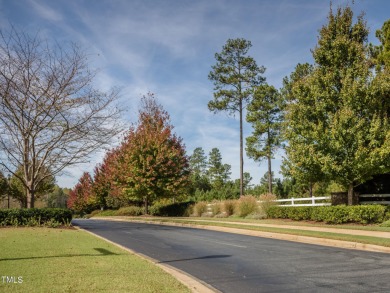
(265,115)
(234,75)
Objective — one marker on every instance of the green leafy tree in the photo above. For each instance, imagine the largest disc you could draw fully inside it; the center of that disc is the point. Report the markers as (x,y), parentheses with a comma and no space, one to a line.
(198,161)
(265,115)
(234,75)
(263,187)
(247,180)
(152,159)
(198,167)
(3,185)
(302,164)
(336,123)
(381,60)
(57,198)
(218,172)
(381,53)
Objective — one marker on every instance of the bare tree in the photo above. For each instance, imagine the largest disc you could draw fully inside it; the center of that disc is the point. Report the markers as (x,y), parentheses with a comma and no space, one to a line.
(51,116)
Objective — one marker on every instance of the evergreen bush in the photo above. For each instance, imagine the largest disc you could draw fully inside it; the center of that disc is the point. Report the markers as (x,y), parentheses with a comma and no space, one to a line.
(35,217)
(362,214)
(177,209)
(130,211)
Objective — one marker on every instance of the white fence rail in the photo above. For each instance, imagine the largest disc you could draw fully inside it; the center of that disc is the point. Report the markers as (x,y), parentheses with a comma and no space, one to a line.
(310,201)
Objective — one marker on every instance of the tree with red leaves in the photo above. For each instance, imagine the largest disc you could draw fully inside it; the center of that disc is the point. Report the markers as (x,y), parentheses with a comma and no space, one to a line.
(80,197)
(104,189)
(152,162)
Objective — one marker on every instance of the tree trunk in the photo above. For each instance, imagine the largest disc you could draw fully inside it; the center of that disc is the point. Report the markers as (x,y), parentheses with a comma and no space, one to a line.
(350,194)
(269,175)
(146,204)
(241,154)
(30,199)
(311,189)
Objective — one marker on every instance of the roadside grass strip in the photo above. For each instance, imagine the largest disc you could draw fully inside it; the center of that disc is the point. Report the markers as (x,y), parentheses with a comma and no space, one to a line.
(317,234)
(69,260)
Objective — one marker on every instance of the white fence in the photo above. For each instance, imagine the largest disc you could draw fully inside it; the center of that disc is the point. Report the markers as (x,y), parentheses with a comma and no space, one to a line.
(310,201)
(292,202)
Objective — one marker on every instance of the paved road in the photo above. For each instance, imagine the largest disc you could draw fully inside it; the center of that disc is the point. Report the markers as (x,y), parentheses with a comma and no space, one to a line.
(237,263)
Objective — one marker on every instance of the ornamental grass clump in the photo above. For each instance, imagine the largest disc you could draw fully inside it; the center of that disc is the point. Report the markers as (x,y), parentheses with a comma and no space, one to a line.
(217,208)
(247,205)
(229,207)
(200,208)
(266,200)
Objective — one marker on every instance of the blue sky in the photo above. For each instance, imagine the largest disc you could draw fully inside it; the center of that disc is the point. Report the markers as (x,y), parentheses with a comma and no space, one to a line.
(167,47)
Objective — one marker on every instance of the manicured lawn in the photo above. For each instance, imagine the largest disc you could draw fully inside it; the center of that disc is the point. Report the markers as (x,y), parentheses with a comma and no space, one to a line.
(67,260)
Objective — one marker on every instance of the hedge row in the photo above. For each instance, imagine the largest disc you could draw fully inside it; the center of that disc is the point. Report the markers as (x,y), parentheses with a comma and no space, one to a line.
(178,209)
(35,217)
(363,214)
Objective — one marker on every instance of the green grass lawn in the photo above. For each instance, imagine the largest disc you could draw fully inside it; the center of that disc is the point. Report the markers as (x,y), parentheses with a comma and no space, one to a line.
(67,260)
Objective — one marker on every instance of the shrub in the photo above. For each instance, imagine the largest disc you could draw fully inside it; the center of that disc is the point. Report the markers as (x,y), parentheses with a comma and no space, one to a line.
(94,213)
(177,209)
(200,208)
(35,217)
(107,213)
(364,214)
(246,205)
(385,224)
(277,212)
(332,215)
(266,201)
(229,207)
(387,214)
(130,211)
(367,214)
(216,208)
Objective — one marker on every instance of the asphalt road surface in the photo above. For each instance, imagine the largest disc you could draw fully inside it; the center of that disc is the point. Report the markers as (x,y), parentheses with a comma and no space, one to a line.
(238,263)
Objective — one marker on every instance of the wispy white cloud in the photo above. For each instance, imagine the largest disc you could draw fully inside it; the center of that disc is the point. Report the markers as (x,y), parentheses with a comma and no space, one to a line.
(45,11)
(167,47)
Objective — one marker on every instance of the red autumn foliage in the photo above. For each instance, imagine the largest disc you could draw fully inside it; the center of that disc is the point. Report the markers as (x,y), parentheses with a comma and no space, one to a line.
(81,197)
(152,162)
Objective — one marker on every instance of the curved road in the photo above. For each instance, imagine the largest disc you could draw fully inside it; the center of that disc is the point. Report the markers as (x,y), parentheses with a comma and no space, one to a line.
(237,263)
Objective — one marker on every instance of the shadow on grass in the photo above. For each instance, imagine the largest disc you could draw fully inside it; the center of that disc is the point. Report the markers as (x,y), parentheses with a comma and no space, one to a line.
(195,258)
(101,252)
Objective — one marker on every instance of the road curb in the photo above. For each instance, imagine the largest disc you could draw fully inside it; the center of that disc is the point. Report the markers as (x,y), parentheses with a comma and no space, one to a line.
(280,236)
(194,284)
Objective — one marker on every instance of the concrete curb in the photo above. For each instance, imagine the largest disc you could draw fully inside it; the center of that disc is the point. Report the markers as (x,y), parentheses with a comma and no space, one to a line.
(194,284)
(286,237)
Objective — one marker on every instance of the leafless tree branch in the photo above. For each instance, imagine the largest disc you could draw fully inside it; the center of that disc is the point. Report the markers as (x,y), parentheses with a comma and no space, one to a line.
(51,116)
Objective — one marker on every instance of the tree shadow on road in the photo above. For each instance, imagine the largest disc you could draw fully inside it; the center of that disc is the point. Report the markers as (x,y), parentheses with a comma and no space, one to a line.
(195,258)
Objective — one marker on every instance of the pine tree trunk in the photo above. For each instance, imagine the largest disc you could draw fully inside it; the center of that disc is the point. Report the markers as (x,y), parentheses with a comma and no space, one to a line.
(241,154)
(269,175)
(269,162)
